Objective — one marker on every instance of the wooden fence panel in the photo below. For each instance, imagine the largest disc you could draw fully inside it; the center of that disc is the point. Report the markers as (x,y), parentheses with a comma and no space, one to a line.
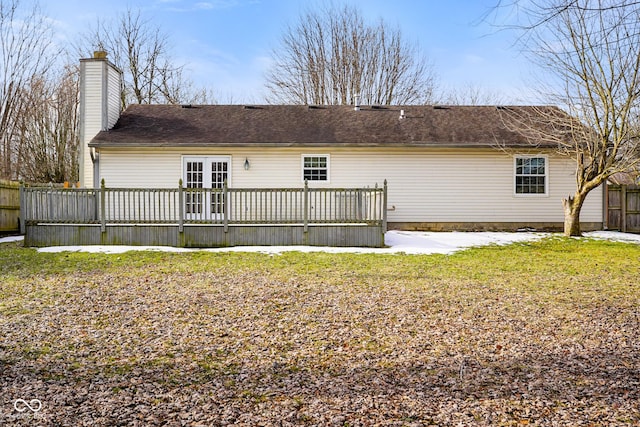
(614,207)
(623,208)
(633,210)
(9,206)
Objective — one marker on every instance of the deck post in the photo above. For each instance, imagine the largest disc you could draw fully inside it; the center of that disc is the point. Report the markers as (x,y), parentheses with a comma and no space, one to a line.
(306,206)
(225,206)
(103,210)
(180,207)
(384,207)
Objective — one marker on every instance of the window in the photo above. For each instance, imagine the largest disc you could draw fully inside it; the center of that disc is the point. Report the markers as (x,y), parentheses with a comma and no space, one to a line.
(531,175)
(315,168)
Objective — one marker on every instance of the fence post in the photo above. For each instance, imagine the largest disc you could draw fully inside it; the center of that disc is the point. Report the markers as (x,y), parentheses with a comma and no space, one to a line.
(52,213)
(605,206)
(623,208)
(22,215)
(103,210)
(384,207)
(180,207)
(306,206)
(225,207)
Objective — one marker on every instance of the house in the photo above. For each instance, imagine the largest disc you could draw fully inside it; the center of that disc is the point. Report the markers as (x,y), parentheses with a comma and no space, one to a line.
(447,167)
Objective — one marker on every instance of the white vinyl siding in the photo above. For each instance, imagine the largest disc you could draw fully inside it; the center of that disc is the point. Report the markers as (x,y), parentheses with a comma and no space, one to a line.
(91,110)
(113,97)
(425,185)
(100,108)
(141,169)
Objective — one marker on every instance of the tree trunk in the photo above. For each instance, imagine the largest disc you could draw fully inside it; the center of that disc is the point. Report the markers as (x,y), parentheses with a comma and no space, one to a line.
(572,207)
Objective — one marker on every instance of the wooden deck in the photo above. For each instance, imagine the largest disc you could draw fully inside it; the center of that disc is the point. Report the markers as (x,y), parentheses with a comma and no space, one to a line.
(197,217)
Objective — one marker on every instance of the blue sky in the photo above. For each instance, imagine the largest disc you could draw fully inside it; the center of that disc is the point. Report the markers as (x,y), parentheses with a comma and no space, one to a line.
(227,44)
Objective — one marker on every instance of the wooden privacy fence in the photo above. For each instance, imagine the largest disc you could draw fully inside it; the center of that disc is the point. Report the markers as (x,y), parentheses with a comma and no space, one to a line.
(9,206)
(623,208)
(223,217)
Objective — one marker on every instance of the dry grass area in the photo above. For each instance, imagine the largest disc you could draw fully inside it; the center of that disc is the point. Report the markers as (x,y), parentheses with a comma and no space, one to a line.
(546,333)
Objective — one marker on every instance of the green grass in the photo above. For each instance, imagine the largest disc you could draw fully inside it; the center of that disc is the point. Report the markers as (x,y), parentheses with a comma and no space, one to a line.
(570,255)
(501,328)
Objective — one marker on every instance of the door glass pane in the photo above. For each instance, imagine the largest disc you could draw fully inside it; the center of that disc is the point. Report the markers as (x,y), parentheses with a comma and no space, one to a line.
(194,179)
(219,175)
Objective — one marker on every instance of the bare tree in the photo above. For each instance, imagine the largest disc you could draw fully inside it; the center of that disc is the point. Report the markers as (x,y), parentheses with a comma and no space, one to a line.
(141,50)
(25,52)
(472,94)
(332,56)
(531,14)
(48,128)
(591,51)
(178,89)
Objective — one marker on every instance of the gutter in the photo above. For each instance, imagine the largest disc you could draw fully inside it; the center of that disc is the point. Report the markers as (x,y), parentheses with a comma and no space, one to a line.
(314,144)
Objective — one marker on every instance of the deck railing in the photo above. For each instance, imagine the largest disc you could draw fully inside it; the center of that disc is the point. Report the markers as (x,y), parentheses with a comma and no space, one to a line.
(224,206)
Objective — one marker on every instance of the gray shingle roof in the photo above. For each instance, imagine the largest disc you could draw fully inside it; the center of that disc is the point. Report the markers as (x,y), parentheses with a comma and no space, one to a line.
(290,125)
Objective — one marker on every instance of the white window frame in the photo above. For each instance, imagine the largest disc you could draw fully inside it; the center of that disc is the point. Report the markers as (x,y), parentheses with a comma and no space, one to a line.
(302,168)
(546,175)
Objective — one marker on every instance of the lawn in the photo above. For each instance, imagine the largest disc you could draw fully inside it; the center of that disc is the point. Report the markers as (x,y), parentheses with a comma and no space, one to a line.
(541,333)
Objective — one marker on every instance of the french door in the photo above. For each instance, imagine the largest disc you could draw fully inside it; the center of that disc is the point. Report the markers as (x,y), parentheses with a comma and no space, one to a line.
(205,173)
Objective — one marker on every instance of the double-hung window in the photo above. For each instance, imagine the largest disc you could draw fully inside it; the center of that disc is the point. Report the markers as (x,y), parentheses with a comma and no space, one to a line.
(531,175)
(315,167)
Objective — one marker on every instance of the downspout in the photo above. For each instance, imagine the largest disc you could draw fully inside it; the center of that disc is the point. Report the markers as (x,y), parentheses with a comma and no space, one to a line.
(95,159)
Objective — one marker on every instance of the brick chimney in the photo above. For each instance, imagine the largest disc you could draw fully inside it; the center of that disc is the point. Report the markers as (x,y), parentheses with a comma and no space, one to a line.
(100,107)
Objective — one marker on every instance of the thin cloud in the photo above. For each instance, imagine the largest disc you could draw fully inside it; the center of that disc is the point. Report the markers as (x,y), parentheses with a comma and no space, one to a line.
(474,59)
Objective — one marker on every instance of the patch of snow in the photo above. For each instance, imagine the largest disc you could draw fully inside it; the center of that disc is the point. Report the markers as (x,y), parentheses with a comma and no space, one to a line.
(111,249)
(408,242)
(615,236)
(416,242)
(10,239)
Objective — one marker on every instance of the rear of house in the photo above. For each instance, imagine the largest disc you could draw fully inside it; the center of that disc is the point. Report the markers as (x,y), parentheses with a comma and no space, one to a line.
(447,168)
(429,189)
